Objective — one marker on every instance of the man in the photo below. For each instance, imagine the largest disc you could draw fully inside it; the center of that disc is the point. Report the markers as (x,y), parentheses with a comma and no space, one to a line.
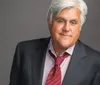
(35,61)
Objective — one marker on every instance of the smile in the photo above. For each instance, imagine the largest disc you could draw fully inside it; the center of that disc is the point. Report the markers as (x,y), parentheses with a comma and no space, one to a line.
(65,35)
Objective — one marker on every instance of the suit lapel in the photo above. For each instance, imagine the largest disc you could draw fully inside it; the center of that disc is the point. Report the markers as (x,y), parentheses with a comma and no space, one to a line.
(75,72)
(38,62)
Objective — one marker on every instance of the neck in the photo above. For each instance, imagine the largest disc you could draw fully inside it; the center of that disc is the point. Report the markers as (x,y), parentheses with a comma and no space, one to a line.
(58,50)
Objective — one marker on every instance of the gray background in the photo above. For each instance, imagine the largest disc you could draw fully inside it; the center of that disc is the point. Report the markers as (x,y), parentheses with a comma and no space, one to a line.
(26,19)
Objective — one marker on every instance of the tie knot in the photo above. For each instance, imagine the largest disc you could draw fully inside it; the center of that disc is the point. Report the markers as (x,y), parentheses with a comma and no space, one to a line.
(59,59)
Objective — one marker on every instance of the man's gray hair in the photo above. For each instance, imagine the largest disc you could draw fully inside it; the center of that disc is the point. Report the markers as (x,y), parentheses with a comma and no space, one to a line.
(58,5)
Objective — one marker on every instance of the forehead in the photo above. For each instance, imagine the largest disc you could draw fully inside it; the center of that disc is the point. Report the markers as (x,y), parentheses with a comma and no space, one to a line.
(69,13)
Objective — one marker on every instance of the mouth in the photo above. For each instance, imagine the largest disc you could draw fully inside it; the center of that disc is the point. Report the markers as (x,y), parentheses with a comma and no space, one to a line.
(66,35)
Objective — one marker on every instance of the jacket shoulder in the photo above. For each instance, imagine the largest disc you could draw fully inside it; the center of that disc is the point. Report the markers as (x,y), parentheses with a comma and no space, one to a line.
(90,51)
(93,55)
(33,42)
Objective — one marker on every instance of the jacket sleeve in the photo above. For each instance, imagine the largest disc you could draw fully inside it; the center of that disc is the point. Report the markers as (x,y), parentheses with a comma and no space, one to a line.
(15,69)
(97,78)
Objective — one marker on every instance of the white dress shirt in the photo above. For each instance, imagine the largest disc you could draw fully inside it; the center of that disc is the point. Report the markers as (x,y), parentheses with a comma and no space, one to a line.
(49,62)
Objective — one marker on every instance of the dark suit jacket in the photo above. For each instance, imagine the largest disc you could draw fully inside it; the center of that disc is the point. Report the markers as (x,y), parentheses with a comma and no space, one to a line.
(28,64)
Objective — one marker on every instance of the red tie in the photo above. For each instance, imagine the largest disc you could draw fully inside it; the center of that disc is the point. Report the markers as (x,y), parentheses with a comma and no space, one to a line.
(54,76)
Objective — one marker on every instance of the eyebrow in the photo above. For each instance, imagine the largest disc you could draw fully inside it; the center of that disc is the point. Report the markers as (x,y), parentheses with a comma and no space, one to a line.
(59,18)
(64,18)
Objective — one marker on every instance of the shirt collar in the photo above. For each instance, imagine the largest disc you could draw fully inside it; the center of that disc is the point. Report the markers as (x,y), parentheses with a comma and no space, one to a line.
(69,50)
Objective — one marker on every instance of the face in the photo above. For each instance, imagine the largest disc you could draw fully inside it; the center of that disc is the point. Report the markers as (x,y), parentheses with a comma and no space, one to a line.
(65,29)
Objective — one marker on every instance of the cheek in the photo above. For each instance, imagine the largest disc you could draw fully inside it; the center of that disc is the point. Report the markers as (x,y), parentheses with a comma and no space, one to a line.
(57,27)
(76,33)
(54,28)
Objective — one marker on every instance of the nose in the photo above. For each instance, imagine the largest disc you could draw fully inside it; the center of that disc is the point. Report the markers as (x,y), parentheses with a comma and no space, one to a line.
(66,26)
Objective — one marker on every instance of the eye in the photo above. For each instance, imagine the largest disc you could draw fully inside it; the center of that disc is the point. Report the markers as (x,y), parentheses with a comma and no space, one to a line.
(59,21)
(73,22)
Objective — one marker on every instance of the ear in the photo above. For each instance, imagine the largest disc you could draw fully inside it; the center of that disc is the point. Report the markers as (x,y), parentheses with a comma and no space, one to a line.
(49,23)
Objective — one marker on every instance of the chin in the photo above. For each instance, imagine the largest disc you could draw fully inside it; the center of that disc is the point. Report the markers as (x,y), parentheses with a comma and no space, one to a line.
(66,44)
